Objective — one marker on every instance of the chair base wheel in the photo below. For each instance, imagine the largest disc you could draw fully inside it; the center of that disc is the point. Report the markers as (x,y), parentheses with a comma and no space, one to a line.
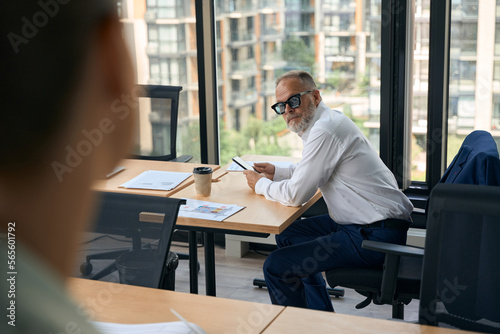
(86,268)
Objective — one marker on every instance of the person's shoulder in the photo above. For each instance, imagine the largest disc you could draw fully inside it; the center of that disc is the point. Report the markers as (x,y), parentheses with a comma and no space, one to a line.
(329,120)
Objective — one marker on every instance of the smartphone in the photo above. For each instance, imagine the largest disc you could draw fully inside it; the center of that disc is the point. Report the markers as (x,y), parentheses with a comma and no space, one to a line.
(243,164)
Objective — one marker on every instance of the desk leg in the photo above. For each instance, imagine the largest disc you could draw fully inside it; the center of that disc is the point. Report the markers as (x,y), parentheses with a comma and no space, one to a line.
(209,263)
(193,262)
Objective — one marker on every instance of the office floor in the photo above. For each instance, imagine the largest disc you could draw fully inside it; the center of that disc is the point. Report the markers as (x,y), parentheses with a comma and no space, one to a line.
(235,281)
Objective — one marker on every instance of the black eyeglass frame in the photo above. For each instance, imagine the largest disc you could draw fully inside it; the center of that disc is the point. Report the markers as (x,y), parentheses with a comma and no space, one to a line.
(276,105)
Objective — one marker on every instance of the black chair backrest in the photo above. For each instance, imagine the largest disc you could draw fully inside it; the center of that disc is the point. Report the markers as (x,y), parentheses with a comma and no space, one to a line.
(118,213)
(161,103)
(461,271)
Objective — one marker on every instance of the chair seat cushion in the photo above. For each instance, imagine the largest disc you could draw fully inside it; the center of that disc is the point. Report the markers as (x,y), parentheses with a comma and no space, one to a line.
(370,279)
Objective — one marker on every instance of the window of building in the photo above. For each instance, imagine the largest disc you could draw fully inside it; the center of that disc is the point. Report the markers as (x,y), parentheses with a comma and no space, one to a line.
(159,48)
(343,54)
(474,71)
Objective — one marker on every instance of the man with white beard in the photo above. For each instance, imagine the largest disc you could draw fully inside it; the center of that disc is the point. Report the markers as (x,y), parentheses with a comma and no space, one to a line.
(361,193)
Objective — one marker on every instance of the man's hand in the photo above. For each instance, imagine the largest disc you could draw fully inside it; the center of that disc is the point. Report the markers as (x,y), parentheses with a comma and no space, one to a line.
(265,168)
(252,178)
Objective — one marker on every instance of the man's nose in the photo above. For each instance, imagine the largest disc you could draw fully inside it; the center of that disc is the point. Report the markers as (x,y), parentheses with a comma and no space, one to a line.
(288,109)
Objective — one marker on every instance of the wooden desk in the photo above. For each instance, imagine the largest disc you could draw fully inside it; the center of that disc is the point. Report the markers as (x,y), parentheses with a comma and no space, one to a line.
(297,320)
(260,215)
(126,304)
(134,167)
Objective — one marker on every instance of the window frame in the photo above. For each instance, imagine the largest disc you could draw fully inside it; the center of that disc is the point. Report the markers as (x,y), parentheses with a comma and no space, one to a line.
(393,90)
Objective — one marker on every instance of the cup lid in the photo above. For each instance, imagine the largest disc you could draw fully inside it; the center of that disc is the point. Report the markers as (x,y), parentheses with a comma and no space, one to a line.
(202,170)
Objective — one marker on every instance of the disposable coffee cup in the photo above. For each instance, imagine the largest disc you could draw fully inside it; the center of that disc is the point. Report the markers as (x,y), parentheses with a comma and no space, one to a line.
(203,180)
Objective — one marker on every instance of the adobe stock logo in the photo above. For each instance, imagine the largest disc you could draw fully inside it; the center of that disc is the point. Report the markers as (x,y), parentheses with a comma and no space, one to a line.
(30,28)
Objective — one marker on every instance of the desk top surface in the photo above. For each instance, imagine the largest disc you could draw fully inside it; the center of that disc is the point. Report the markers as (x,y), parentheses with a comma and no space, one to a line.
(126,304)
(134,167)
(260,215)
(297,320)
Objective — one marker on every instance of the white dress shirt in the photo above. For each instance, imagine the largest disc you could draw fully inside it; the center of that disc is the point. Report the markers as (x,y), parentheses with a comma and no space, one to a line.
(339,160)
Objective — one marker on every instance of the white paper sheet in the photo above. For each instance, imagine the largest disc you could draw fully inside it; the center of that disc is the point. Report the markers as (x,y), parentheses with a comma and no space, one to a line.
(208,210)
(175,327)
(233,167)
(156,180)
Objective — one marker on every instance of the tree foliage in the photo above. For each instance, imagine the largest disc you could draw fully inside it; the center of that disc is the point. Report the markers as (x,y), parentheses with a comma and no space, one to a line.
(297,54)
(257,137)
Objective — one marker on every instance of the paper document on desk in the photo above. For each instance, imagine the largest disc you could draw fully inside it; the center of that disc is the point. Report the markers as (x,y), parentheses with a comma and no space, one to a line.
(156,180)
(175,327)
(233,167)
(208,210)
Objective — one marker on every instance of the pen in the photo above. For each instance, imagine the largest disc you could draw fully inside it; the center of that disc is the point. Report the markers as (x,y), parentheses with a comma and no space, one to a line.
(191,327)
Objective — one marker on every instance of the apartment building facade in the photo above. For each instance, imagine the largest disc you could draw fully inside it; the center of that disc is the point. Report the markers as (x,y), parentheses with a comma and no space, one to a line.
(339,41)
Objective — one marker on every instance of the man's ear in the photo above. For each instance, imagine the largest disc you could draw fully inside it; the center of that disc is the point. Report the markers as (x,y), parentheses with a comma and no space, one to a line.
(317,97)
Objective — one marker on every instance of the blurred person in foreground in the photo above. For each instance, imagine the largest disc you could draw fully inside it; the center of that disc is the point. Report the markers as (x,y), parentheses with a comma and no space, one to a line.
(65,69)
(361,194)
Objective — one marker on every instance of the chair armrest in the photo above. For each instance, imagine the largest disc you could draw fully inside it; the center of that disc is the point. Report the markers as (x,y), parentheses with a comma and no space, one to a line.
(393,249)
(183,158)
(393,254)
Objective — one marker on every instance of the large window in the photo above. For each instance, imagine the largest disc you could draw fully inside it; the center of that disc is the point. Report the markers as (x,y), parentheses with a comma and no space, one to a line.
(161,35)
(340,43)
(474,87)
(420,86)
(336,52)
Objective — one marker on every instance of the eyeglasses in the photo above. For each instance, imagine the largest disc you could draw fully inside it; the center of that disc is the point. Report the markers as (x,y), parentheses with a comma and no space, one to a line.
(293,101)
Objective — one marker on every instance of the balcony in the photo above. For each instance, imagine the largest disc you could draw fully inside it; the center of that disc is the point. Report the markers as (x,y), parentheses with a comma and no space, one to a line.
(299,29)
(152,49)
(465,10)
(300,7)
(243,98)
(242,37)
(178,13)
(272,4)
(272,61)
(150,16)
(345,30)
(248,65)
(268,88)
(339,8)
(232,6)
(271,33)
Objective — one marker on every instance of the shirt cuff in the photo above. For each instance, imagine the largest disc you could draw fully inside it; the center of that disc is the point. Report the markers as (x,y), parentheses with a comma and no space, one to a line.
(261,185)
(281,173)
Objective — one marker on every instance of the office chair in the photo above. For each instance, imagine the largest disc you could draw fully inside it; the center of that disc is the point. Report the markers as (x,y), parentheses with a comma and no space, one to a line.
(159,106)
(158,114)
(118,214)
(460,268)
(397,282)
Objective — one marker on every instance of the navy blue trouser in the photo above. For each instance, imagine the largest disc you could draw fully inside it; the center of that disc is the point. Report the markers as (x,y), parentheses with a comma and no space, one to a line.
(293,272)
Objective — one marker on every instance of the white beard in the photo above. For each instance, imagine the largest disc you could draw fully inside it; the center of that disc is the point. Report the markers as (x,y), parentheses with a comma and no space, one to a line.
(304,123)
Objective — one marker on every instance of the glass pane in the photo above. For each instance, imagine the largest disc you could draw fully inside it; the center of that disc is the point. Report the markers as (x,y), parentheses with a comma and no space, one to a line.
(420,85)
(338,41)
(474,71)
(162,39)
